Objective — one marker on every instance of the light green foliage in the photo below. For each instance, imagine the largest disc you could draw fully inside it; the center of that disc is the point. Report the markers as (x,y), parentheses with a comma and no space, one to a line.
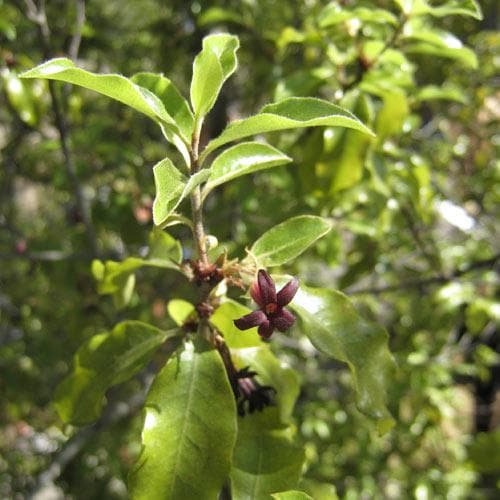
(179,310)
(105,360)
(223,320)
(211,68)
(291,113)
(335,328)
(172,187)
(115,86)
(288,240)
(118,278)
(243,159)
(291,495)
(189,429)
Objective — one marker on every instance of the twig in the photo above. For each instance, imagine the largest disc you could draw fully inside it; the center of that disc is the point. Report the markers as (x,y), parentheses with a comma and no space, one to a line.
(114,412)
(39,16)
(432,280)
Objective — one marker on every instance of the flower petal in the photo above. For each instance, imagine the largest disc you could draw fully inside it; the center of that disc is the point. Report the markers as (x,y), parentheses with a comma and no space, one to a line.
(287,293)
(266,329)
(266,287)
(255,318)
(255,294)
(283,321)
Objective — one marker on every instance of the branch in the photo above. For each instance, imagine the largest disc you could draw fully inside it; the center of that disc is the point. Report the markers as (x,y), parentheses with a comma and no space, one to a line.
(114,412)
(39,16)
(432,280)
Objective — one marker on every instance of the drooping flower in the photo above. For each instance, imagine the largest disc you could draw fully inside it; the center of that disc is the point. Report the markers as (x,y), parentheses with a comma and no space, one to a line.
(250,395)
(271,314)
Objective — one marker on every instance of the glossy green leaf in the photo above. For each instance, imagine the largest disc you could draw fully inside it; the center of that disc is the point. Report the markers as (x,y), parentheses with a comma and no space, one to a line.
(211,68)
(294,112)
(179,310)
(172,187)
(271,371)
(223,318)
(243,159)
(289,239)
(105,360)
(420,39)
(265,458)
(189,429)
(291,495)
(391,116)
(175,105)
(335,328)
(20,97)
(115,86)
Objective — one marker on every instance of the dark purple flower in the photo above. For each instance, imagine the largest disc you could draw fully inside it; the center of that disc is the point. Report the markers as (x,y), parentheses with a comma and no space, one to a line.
(250,395)
(272,314)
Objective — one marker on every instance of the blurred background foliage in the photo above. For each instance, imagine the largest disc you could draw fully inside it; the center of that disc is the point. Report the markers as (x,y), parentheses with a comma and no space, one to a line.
(415,239)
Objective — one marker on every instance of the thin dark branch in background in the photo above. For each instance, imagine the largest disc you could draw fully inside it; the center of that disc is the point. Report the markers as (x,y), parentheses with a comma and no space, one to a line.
(113,413)
(432,280)
(38,16)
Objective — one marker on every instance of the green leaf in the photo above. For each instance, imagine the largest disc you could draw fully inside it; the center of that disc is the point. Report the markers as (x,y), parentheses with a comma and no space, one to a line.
(335,328)
(294,112)
(118,279)
(115,86)
(265,459)
(291,495)
(333,14)
(420,39)
(189,429)
(211,68)
(179,310)
(175,105)
(448,8)
(243,159)
(171,188)
(216,15)
(223,318)
(105,360)
(391,116)
(446,92)
(164,250)
(271,371)
(289,239)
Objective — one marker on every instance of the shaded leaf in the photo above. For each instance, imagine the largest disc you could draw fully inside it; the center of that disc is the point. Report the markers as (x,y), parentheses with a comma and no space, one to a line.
(105,360)
(271,371)
(335,328)
(294,112)
(189,429)
(265,458)
(289,239)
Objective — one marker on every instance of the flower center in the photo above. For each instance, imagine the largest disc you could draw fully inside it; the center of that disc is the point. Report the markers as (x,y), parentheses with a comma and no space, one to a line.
(271,308)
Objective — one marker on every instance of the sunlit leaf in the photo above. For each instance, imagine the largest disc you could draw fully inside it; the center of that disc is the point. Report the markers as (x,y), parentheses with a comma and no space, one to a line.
(189,429)
(172,187)
(292,113)
(243,159)
(211,68)
(291,495)
(289,239)
(115,86)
